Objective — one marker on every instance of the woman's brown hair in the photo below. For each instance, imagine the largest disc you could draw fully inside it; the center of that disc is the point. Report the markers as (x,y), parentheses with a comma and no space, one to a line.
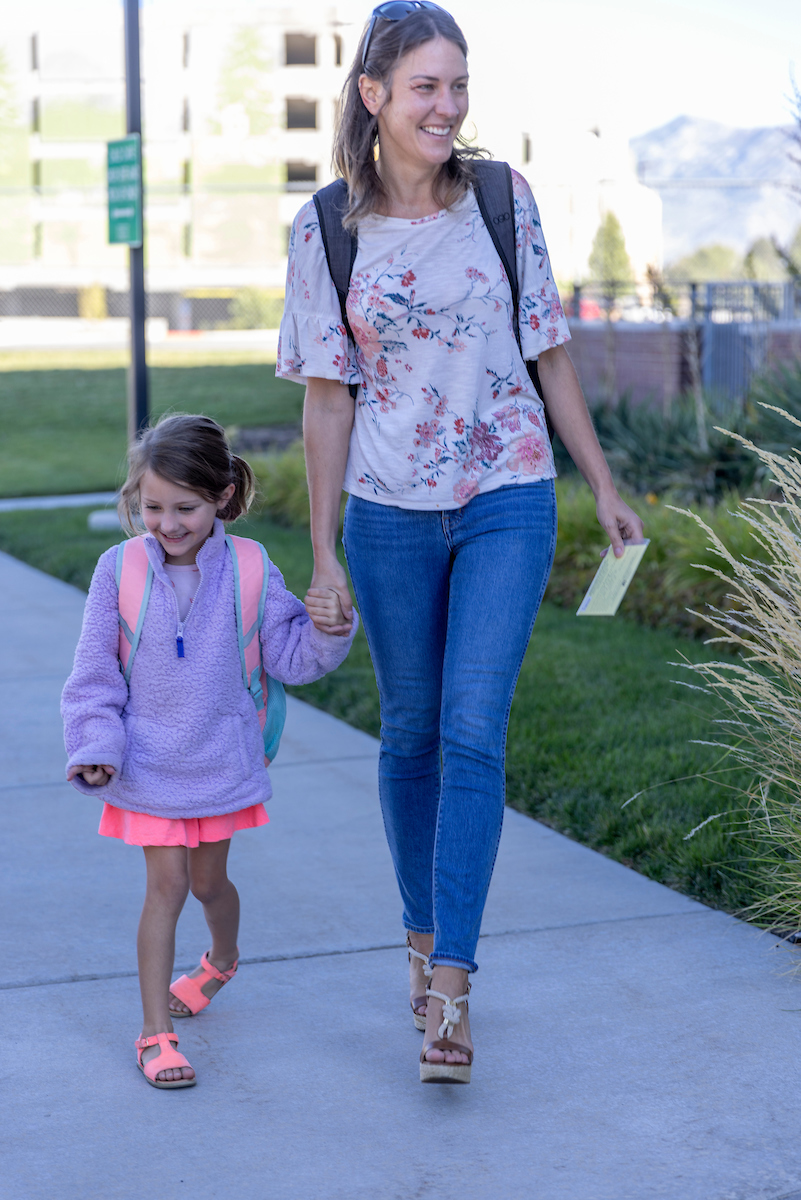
(192,452)
(357,130)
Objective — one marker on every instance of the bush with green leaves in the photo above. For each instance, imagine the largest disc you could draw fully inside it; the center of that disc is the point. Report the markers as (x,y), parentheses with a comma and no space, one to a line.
(256,308)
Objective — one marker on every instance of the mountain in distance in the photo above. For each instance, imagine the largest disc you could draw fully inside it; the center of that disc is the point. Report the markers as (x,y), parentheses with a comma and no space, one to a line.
(683,161)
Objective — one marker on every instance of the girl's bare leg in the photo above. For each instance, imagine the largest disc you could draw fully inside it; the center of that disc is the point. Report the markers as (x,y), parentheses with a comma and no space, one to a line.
(212,887)
(167,888)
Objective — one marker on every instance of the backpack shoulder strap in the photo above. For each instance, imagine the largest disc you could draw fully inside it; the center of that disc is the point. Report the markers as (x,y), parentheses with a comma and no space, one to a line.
(495,197)
(496,201)
(134,581)
(340,246)
(251,580)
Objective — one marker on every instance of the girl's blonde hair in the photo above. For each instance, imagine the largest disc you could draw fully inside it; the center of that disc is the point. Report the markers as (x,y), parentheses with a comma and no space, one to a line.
(357,130)
(192,452)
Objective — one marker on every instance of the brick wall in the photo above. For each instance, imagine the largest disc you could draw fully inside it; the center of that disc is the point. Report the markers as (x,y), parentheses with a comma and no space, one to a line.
(617,357)
(650,362)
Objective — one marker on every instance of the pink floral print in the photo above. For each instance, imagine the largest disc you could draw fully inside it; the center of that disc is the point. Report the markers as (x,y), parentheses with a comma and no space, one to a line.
(445,406)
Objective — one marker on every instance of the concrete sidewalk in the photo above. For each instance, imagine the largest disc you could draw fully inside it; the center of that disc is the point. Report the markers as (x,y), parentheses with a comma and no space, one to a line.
(630,1042)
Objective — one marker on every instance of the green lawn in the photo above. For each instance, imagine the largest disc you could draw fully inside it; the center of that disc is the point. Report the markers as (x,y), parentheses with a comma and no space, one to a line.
(596,718)
(64,424)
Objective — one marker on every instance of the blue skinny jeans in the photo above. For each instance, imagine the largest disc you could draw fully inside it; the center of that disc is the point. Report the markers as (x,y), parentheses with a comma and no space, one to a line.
(448,601)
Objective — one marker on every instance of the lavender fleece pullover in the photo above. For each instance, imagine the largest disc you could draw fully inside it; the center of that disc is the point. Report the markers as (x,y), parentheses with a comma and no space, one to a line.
(184,738)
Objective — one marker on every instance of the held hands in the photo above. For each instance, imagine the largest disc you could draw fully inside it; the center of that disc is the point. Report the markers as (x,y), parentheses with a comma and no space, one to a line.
(328,601)
(97,775)
(620,522)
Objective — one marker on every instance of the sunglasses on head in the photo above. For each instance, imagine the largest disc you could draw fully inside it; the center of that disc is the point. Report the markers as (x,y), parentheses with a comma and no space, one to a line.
(393,10)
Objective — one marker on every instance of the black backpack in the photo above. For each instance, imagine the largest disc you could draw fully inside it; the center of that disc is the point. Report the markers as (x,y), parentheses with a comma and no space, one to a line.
(495,197)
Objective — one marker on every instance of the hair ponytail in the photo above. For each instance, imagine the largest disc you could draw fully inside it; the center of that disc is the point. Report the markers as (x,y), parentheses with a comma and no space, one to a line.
(244,481)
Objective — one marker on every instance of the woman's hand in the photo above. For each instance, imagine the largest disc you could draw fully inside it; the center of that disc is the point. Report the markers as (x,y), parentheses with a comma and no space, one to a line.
(328,596)
(97,775)
(620,522)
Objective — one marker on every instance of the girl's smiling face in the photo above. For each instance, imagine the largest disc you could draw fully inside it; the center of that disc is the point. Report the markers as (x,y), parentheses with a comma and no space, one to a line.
(419,119)
(180,519)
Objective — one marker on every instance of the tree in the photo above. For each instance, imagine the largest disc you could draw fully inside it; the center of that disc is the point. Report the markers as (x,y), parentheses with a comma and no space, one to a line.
(763,262)
(244,76)
(711,263)
(609,260)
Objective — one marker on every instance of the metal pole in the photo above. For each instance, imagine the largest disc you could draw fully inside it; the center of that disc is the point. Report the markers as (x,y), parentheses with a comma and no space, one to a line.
(138,409)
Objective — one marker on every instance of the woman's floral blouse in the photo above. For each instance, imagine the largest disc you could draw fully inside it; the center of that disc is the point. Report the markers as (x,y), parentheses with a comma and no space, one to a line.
(446,408)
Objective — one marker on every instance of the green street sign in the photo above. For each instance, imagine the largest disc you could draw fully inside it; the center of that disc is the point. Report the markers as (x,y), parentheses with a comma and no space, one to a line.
(125,191)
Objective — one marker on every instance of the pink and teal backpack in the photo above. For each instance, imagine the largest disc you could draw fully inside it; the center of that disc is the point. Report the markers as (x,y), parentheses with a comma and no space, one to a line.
(251,577)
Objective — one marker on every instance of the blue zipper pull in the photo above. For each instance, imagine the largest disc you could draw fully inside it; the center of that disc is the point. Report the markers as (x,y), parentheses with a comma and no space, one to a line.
(179,641)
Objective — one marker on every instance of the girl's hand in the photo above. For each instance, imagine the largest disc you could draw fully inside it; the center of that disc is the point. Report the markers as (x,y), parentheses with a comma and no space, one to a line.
(619,521)
(332,578)
(97,775)
(325,609)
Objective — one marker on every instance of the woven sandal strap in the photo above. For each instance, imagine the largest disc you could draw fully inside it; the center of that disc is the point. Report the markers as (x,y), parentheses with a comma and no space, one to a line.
(446,999)
(450,1012)
(222,976)
(428,970)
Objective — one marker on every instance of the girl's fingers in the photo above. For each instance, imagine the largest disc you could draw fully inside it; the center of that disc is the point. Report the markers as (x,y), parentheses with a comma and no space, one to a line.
(96,775)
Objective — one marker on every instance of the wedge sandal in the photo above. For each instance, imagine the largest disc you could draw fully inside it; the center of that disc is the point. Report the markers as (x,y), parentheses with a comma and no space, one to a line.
(428,971)
(445,1072)
(189,991)
(167,1059)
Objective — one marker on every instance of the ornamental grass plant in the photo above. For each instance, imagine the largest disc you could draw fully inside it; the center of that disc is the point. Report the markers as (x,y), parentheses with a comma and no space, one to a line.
(759,691)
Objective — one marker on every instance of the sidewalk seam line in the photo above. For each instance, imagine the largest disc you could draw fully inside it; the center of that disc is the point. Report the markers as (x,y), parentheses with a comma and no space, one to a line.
(278,958)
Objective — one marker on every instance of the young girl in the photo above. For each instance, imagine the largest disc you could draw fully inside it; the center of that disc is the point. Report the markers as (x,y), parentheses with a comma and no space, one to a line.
(177,753)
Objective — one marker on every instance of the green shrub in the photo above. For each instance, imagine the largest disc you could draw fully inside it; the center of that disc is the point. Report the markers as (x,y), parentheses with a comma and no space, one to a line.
(666,585)
(256,308)
(92,303)
(283,494)
(651,450)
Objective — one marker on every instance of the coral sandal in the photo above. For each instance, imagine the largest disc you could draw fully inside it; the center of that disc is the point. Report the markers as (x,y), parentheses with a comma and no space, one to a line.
(418,1001)
(167,1060)
(445,1072)
(188,990)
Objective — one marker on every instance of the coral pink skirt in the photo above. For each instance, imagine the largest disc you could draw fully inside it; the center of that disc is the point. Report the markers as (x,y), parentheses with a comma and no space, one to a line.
(140,829)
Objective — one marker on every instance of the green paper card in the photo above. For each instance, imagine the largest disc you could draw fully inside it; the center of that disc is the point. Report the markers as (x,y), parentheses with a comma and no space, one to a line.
(611,581)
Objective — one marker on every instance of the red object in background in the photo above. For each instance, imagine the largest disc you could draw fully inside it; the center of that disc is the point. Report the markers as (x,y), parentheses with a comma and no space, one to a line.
(589,310)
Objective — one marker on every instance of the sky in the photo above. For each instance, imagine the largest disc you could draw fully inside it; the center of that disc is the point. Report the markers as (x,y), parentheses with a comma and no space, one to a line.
(635,64)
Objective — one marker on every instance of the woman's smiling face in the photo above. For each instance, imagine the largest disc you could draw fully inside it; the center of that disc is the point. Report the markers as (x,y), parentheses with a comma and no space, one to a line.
(427,105)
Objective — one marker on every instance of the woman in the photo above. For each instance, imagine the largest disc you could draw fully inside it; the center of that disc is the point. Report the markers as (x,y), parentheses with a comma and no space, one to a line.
(451,521)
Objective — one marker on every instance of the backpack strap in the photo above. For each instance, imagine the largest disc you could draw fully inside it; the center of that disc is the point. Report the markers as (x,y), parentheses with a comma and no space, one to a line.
(340,247)
(251,580)
(134,580)
(495,196)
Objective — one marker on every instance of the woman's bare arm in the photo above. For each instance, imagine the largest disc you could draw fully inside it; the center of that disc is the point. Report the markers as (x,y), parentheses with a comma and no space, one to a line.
(571,420)
(327,423)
